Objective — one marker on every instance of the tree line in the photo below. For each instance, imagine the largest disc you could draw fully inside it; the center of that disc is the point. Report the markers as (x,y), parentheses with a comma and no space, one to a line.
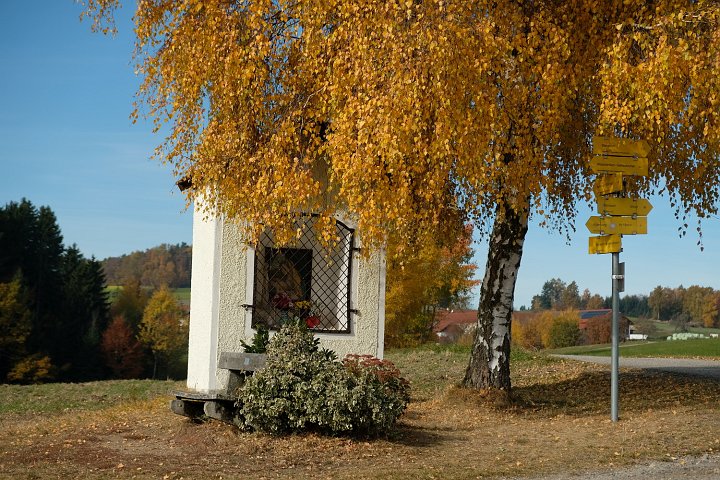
(55,313)
(53,303)
(162,265)
(695,304)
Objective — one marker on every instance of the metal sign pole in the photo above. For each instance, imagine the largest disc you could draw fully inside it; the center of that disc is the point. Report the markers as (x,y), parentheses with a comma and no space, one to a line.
(617,284)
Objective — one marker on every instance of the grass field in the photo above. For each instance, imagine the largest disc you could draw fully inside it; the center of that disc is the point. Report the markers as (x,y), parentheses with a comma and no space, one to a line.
(182,294)
(695,348)
(665,329)
(555,421)
(78,397)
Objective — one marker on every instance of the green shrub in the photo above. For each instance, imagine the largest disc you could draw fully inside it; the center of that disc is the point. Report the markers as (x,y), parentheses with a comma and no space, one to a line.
(378,395)
(259,341)
(563,333)
(302,388)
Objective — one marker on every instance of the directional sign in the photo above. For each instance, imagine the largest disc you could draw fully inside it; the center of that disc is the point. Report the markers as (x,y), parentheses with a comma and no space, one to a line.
(621,147)
(626,165)
(623,206)
(605,244)
(617,225)
(607,184)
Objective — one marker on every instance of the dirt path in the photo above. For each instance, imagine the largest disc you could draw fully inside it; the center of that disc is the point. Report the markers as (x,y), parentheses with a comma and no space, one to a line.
(684,366)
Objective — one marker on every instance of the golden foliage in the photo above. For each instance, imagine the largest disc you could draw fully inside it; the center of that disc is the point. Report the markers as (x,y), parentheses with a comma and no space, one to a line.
(400,111)
(549,329)
(526,334)
(435,273)
(164,327)
(35,368)
(711,311)
(15,324)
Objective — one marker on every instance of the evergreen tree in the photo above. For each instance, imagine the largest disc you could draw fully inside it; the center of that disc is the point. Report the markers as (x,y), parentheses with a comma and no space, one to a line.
(84,315)
(63,292)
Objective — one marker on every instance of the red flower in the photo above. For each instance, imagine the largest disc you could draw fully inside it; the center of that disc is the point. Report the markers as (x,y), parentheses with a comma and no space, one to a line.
(312,321)
(282,301)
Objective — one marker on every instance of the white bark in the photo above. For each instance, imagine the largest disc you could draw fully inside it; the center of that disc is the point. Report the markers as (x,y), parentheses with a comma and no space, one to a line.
(489,365)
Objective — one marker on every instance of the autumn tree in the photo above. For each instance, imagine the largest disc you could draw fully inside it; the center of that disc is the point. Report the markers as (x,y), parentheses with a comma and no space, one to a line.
(548,329)
(164,327)
(130,304)
(162,265)
(15,325)
(668,303)
(594,302)
(396,112)
(711,310)
(122,352)
(694,301)
(437,273)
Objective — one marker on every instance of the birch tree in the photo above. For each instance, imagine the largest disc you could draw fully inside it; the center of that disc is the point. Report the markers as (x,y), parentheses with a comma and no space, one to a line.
(400,111)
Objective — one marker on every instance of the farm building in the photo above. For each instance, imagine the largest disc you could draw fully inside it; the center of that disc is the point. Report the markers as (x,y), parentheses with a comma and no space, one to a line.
(453,324)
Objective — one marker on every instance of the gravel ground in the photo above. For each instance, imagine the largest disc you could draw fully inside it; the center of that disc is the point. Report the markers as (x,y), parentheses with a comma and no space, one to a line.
(706,467)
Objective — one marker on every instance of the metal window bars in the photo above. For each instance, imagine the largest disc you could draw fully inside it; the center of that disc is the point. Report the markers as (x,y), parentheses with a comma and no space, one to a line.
(304,281)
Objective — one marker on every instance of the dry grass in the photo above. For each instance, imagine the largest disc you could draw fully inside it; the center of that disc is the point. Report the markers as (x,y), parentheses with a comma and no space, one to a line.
(556,421)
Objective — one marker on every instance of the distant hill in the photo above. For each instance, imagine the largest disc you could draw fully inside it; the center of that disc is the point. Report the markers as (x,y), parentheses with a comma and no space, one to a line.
(162,265)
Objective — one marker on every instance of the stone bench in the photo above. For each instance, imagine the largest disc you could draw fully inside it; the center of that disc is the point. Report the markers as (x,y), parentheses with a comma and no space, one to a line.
(218,405)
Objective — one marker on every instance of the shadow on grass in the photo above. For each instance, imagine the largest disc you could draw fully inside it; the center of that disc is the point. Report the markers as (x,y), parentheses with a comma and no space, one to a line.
(589,393)
(423,437)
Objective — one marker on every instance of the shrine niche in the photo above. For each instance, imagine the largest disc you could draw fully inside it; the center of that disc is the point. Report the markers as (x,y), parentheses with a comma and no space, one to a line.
(338,292)
(304,281)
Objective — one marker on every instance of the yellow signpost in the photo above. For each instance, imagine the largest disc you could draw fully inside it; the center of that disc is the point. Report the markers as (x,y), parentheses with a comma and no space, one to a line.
(608,184)
(614,158)
(624,165)
(617,225)
(639,207)
(621,147)
(605,244)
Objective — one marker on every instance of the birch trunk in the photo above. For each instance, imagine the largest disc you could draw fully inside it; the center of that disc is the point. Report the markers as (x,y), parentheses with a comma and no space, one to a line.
(489,365)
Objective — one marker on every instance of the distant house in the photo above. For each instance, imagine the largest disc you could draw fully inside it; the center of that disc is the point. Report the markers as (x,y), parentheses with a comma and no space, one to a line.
(603,317)
(453,324)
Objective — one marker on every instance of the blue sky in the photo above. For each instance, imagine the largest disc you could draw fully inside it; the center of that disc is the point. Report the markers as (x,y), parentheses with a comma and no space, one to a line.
(66,141)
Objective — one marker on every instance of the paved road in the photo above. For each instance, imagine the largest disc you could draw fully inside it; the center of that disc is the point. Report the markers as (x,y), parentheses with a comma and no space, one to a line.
(684,366)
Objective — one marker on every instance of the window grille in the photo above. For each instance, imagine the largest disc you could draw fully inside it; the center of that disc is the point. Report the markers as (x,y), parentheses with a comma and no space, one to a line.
(304,281)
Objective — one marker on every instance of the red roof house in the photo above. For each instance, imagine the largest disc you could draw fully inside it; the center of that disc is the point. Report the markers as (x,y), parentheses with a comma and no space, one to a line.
(452,324)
